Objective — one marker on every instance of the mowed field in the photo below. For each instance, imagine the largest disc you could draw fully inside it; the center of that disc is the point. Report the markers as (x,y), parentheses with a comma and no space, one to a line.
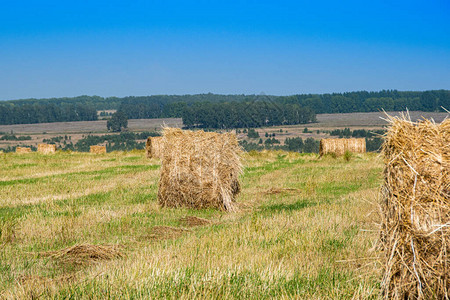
(306,228)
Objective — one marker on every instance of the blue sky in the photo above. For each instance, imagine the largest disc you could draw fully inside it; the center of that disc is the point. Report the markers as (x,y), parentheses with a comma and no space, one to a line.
(120,48)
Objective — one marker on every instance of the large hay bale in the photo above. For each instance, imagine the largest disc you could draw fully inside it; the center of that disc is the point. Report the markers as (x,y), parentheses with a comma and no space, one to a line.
(97,149)
(340,146)
(23,150)
(416,210)
(199,169)
(153,147)
(46,149)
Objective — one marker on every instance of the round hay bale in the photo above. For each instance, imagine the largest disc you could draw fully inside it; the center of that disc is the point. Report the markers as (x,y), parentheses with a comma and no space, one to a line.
(415,235)
(97,149)
(46,148)
(199,169)
(154,147)
(23,150)
(340,146)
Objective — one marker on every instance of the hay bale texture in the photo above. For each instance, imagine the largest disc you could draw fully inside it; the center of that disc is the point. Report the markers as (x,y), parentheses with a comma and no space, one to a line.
(416,210)
(199,169)
(97,149)
(340,146)
(153,147)
(23,150)
(46,149)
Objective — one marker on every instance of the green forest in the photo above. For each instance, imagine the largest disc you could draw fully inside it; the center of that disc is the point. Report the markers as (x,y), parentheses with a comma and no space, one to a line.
(242,114)
(221,111)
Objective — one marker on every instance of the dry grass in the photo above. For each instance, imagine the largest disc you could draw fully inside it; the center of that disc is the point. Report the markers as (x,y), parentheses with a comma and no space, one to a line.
(313,240)
(274,190)
(416,207)
(199,169)
(166,232)
(192,221)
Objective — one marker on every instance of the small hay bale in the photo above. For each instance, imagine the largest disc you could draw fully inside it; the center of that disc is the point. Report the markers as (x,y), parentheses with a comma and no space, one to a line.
(415,235)
(199,169)
(153,147)
(97,149)
(23,150)
(46,148)
(340,146)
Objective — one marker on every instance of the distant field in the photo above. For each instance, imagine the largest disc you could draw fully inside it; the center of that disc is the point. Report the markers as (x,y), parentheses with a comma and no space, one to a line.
(306,229)
(373,119)
(326,122)
(88,126)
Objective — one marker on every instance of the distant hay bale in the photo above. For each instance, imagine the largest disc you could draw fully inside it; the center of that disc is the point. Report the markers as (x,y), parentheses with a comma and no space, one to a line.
(415,235)
(23,150)
(46,149)
(153,147)
(340,146)
(199,169)
(97,149)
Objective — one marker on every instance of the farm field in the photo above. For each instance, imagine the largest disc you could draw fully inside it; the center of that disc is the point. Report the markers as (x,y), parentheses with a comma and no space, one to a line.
(306,228)
(88,126)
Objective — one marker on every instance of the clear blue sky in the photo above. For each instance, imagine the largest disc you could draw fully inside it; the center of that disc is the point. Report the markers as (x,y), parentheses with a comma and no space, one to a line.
(119,48)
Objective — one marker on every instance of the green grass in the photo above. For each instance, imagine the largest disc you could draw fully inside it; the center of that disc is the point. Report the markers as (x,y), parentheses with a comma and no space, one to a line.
(308,240)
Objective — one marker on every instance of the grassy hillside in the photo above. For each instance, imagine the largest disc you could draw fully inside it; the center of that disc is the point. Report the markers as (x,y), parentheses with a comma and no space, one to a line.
(306,228)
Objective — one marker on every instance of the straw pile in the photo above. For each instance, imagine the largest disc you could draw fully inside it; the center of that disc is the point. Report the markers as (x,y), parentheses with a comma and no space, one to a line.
(340,146)
(85,253)
(23,150)
(416,210)
(153,147)
(97,149)
(46,149)
(199,169)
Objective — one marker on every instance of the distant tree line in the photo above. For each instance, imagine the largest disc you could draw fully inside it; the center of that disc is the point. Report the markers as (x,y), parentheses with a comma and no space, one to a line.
(45,113)
(296,144)
(114,142)
(83,108)
(243,114)
(357,133)
(13,137)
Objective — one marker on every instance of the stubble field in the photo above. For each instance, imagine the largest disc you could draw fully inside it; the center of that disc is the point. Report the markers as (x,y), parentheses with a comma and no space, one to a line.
(306,228)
